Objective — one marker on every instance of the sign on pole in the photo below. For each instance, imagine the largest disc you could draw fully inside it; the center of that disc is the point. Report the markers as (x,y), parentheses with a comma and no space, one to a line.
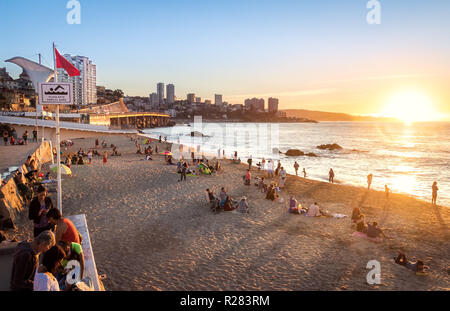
(55,93)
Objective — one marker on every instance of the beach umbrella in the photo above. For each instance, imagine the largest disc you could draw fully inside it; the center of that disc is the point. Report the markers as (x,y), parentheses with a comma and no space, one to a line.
(64,169)
(167,152)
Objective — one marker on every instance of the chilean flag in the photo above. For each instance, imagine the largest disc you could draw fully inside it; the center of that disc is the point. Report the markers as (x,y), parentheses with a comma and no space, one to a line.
(61,62)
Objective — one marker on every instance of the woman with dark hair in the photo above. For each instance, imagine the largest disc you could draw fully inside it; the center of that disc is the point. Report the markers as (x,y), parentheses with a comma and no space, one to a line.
(38,209)
(44,279)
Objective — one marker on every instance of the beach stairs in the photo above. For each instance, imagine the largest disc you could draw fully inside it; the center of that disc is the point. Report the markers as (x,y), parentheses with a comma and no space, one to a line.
(90,269)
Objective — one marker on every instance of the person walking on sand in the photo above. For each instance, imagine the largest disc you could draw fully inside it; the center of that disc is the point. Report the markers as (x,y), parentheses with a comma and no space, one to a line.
(369,180)
(331,176)
(304,173)
(434,194)
(96,143)
(296,166)
(105,157)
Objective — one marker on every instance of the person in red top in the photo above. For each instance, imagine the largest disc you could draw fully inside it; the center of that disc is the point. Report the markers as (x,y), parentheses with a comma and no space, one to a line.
(65,229)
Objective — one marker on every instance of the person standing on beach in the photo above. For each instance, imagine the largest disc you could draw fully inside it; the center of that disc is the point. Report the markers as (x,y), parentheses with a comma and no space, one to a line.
(218,153)
(296,166)
(35,135)
(269,169)
(387,190)
(369,180)
(263,164)
(434,194)
(282,177)
(331,176)
(25,137)
(5,137)
(96,143)
(304,173)
(90,156)
(277,170)
(184,168)
(105,157)
(235,155)
(249,161)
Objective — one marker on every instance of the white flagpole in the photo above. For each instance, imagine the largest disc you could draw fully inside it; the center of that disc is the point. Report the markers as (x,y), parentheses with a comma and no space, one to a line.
(58,144)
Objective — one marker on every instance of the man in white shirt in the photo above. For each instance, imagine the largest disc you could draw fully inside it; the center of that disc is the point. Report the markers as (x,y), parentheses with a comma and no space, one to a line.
(313,210)
(270,169)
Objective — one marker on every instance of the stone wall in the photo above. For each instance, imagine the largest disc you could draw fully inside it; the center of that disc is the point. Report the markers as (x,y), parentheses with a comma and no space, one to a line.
(11,202)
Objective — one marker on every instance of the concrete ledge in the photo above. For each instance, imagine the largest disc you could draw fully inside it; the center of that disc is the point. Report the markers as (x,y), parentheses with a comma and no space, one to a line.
(90,269)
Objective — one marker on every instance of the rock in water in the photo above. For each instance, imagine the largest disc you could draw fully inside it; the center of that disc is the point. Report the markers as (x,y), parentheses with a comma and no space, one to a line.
(311,154)
(294,153)
(330,147)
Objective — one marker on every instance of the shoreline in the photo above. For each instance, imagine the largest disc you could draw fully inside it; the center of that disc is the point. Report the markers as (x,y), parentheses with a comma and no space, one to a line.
(339,182)
(151,232)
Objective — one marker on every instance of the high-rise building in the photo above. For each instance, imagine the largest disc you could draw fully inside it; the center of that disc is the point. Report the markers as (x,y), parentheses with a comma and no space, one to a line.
(198,100)
(273,104)
(218,99)
(160,92)
(256,104)
(191,98)
(154,100)
(84,85)
(170,88)
(207,102)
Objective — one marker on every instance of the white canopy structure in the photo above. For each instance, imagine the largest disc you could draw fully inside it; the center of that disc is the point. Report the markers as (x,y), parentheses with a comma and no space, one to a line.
(36,72)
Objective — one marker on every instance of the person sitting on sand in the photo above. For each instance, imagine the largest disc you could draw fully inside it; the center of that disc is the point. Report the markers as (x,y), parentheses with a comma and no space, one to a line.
(271,193)
(355,214)
(242,206)
(361,224)
(222,196)
(293,207)
(313,211)
(373,231)
(228,205)
(65,229)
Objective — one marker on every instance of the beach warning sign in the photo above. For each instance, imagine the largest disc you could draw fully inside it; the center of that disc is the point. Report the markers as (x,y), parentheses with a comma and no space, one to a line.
(54,93)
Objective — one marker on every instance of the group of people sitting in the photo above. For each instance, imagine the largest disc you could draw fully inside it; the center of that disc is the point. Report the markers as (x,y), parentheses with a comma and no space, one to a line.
(224,202)
(312,211)
(370,229)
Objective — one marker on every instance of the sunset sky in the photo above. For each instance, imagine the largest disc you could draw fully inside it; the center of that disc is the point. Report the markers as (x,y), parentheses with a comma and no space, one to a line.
(318,55)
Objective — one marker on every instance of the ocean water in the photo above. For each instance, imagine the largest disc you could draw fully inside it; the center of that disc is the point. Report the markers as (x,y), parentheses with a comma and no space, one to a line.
(406,157)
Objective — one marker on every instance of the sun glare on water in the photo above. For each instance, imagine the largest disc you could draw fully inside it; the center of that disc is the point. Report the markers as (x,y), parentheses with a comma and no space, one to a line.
(410,106)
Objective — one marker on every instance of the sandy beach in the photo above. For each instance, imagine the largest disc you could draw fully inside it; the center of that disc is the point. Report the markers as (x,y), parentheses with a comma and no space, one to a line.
(151,232)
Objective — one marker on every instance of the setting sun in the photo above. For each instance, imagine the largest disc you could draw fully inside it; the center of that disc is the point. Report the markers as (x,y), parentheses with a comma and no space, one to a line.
(410,106)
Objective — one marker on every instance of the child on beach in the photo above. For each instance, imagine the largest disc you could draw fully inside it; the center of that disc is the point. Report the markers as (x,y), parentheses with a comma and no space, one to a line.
(89,156)
(105,157)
